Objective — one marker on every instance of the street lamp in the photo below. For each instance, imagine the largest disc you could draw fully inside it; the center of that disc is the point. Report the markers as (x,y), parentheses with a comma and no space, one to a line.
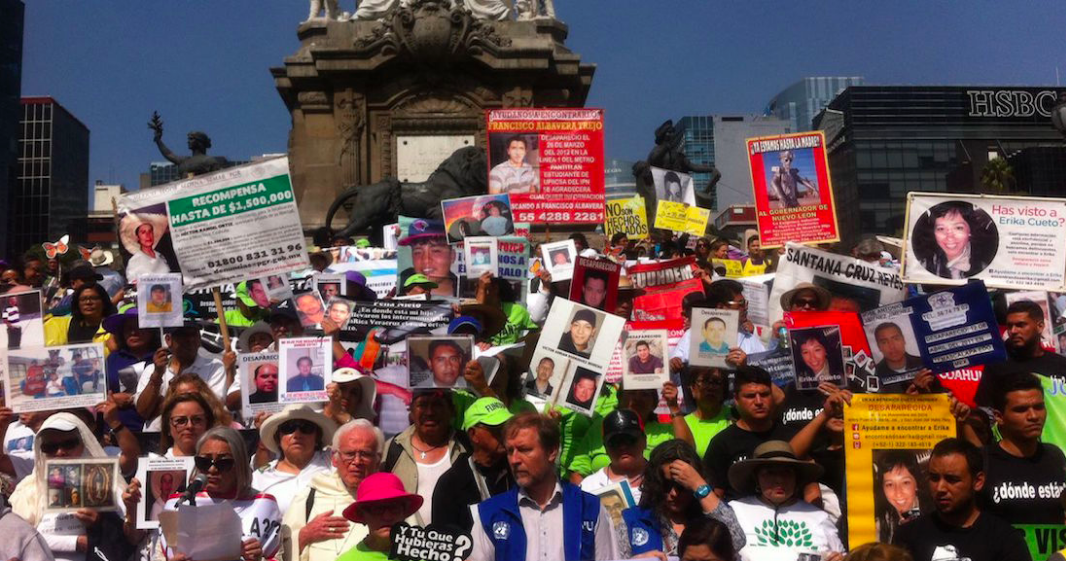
(1058,115)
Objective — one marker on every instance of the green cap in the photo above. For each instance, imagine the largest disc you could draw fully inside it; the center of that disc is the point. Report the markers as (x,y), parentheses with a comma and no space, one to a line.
(486,411)
(362,243)
(419,278)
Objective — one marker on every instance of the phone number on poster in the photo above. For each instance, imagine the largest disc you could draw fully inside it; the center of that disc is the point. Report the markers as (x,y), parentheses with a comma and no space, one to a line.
(253,256)
(558,217)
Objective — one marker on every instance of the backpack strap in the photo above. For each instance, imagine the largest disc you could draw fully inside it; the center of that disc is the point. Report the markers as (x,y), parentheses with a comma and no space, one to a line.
(309,504)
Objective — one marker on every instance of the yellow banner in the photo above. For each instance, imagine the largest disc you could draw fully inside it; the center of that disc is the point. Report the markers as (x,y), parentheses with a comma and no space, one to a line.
(626,216)
(734,269)
(681,217)
(889,436)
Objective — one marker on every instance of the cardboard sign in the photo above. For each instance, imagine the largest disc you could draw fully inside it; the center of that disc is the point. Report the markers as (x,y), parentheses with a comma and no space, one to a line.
(681,218)
(595,283)
(626,216)
(415,543)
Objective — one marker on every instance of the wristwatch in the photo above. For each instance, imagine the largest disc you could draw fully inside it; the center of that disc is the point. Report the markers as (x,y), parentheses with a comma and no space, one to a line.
(702,491)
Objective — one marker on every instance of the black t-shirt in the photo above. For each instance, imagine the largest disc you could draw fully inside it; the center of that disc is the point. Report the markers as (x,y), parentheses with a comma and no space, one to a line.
(1048,364)
(1025,490)
(800,407)
(732,445)
(988,539)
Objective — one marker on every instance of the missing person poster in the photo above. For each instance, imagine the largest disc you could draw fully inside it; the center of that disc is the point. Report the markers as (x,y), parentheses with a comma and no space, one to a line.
(673,186)
(485,215)
(714,332)
(887,442)
(23,322)
(260,374)
(817,355)
(401,316)
(793,192)
(560,258)
(481,256)
(1047,336)
(646,359)
(424,250)
(306,365)
(82,484)
(160,478)
(858,367)
(855,285)
(240,223)
(626,216)
(595,283)
(159,300)
(681,218)
(438,361)
(550,161)
(954,328)
(1008,242)
(49,378)
(665,284)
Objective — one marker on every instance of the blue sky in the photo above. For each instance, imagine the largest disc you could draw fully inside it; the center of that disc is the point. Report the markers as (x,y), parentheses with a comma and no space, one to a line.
(205,64)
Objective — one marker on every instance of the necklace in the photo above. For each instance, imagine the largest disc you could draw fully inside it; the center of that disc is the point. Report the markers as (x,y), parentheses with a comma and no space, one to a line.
(422,452)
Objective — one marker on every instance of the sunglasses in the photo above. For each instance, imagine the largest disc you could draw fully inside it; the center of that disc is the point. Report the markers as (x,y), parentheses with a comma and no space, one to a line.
(53,447)
(805,303)
(205,463)
(289,427)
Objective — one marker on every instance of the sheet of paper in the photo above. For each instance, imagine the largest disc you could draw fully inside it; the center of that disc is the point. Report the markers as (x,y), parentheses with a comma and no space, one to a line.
(206,533)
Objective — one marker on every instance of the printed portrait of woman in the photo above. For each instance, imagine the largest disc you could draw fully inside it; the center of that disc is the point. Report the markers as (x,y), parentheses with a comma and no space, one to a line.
(955,240)
(899,495)
(140,235)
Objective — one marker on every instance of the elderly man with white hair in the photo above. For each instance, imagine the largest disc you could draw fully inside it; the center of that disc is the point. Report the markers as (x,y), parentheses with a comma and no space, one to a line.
(314,528)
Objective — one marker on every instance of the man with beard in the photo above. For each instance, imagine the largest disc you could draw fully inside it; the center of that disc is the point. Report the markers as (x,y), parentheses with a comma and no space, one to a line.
(480,474)
(1024,323)
(266,384)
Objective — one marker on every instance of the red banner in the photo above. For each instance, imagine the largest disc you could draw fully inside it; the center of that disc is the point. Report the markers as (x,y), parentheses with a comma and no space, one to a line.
(793,192)
(550,161)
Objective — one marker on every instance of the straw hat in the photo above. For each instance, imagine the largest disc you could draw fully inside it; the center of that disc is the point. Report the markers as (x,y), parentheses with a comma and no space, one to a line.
(823,295)
(296,411)
(370,389)
(130,223)
(771,453)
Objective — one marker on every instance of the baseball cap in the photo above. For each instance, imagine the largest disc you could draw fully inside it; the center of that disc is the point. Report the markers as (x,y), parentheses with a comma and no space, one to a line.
(361,243)
(419,278)
(420,228)
(486,411)
(463,321)
(622,422)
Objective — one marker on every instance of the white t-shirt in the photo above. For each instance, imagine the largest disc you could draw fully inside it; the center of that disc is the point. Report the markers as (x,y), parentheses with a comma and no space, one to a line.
(284,486)
(599,480)
(428,474)
(808,526)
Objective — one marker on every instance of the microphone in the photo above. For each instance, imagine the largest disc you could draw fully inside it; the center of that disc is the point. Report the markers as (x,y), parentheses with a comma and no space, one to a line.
(195,486)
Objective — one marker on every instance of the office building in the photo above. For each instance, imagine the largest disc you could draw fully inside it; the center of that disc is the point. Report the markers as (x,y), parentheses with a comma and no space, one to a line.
(733,222)
(695,137)
(50,198)
(731,154)
(160,173)
(1039,171)
(620,181)
(886,141)
(12,19)
(799,103)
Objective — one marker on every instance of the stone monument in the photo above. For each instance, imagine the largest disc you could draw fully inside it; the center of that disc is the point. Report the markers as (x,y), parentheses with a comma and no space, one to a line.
(196,164)
(667,155)
(397,94)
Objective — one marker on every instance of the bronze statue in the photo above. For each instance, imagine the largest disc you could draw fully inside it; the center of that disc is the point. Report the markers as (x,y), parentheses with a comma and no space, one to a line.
(196,164)
(666,155)
(463,174)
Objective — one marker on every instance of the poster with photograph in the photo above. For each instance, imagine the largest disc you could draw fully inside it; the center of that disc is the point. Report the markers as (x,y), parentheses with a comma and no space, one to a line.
(484,215)
(22,319)
(159,300)
(681,218)
(306,367)
(1047,336)
(792,188)
(890,437)
(438,361)
(260,375)
(673,186)
(714,332)
(615,498)
(858,367)
(665,284)
(160,478)
(626,216)
(595,283)
(1007,242)
(546,373)
(818,356)
(560,258)
(329,286)
(49,378)
(82,483)
(580,389)
(309,308)
(894,350)
(277,286)
(236,224)
(550,162)
(952,329)
(645,359)
(424,249)
(339,311)
(482,256)
(855,285)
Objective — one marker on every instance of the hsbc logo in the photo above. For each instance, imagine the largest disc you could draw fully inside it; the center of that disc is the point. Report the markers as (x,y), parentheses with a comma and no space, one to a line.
(1011,103)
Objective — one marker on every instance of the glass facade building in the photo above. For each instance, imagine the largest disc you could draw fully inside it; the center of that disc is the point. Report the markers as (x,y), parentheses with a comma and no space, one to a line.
(51,196)
(12,20)
(695,137)
(884,142)
(801,102)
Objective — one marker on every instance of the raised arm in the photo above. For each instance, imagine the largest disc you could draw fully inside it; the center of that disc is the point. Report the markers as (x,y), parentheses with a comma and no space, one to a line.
(156,124)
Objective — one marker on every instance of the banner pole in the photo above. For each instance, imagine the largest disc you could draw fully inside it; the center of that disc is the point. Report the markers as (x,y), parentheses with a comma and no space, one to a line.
(221,317)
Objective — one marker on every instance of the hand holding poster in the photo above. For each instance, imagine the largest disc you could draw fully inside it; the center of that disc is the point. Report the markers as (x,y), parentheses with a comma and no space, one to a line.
(481,256)
(79,484)
(560,258)
(858,367)
(595,283)
(665,283)
(817,353)
(160,477)
(260,376)
(714,333)
(1008,242)
(793,194)
(626,216)
(49,378)
(159,300)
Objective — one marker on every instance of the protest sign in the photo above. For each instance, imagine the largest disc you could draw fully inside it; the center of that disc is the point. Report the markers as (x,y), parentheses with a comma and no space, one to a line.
(1047,336)
(438,361)
(714,332)
(793,192)
(49,378)
(818,356)
(160,478)
(955,328)
(586,339)
(560,258)
(485,215)
(595,283)
(854,284)
(546,373)
(481,256)
(645,359)
(306,365)
(757,295)
(778,363)
(309,308)
(159,300)
(22,319)
(82,484)
(674,329)
(681,218)
(615,498)
(329,285)
(511,259)
(240,223)
(550,161)
(412,316)
(858,367)
(626,216)
(889,432)
(673,186)
(1043,540)
(665,283)
(415,543)
(733,268)
(1008,242)
(277,286)
(259,374)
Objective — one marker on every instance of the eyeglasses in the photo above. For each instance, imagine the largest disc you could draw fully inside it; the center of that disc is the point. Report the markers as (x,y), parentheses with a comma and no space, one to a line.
(291,426)
(90,298)
(196,420)
(53,447)
(205,463)
(349,457)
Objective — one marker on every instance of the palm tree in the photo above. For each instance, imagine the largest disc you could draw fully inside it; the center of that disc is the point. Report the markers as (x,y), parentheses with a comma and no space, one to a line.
(997,177)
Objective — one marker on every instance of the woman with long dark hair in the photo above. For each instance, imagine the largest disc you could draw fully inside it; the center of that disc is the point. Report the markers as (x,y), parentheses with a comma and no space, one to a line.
(898,492)
(955,240)
(89,306)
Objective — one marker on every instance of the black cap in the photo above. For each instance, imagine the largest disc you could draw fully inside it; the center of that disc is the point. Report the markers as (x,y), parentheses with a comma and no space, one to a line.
(622,421)
(283,309)
(585,315)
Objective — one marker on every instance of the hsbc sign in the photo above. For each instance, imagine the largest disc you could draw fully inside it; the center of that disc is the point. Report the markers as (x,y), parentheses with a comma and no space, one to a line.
(1011,103)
